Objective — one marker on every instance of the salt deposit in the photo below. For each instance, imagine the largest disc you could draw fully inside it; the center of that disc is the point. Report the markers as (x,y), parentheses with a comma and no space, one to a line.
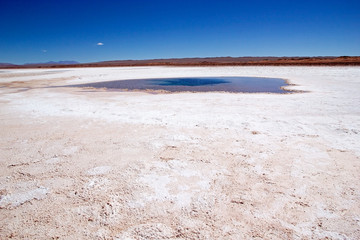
(86,163)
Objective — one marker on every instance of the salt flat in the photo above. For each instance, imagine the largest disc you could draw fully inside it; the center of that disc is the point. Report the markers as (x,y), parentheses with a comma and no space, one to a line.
(92,164)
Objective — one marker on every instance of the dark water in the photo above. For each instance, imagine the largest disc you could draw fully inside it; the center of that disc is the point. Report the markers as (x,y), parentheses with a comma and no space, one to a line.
(203,84)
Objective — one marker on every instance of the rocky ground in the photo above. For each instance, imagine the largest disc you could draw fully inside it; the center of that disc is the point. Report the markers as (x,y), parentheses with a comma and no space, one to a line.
(92,164)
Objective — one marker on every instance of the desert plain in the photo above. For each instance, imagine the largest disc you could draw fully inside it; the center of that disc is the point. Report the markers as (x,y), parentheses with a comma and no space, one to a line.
(95,164)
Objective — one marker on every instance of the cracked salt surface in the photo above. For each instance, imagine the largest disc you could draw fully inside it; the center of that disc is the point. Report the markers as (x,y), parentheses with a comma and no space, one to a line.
(176,182)
(99,170)
(17,199)
(97,183)
(306,144)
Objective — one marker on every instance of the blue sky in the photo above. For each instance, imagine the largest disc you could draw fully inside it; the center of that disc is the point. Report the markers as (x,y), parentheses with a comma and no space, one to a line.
(40,31)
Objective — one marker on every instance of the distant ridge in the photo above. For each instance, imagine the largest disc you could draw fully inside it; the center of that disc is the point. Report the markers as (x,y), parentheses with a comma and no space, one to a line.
(210,61)
(6,64)
(54,63)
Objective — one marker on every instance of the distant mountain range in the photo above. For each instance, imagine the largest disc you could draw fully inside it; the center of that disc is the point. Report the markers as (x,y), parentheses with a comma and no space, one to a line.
(53,63)
(210,61)
(6,64)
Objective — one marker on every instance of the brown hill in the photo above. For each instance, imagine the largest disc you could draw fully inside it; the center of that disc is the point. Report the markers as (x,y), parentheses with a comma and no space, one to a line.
(215,61)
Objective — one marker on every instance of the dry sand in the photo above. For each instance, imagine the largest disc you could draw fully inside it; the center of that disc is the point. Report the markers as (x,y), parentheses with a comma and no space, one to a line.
(78,164)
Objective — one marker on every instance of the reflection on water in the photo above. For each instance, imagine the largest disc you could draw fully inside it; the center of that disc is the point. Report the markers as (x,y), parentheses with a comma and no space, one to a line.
(203,84)
(188,81)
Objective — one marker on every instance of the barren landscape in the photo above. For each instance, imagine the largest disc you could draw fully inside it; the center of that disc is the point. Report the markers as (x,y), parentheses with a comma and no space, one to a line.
(208,61)
(96,164)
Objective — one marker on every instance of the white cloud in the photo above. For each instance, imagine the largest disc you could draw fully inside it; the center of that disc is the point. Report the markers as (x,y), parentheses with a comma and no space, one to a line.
(44,50)
(100,44)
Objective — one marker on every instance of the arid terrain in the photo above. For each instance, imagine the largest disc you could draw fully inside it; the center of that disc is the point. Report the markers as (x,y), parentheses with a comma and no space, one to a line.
(209,61)
(95,164)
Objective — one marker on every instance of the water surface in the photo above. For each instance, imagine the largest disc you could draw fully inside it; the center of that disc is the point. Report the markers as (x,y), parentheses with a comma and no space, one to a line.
(198,84)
